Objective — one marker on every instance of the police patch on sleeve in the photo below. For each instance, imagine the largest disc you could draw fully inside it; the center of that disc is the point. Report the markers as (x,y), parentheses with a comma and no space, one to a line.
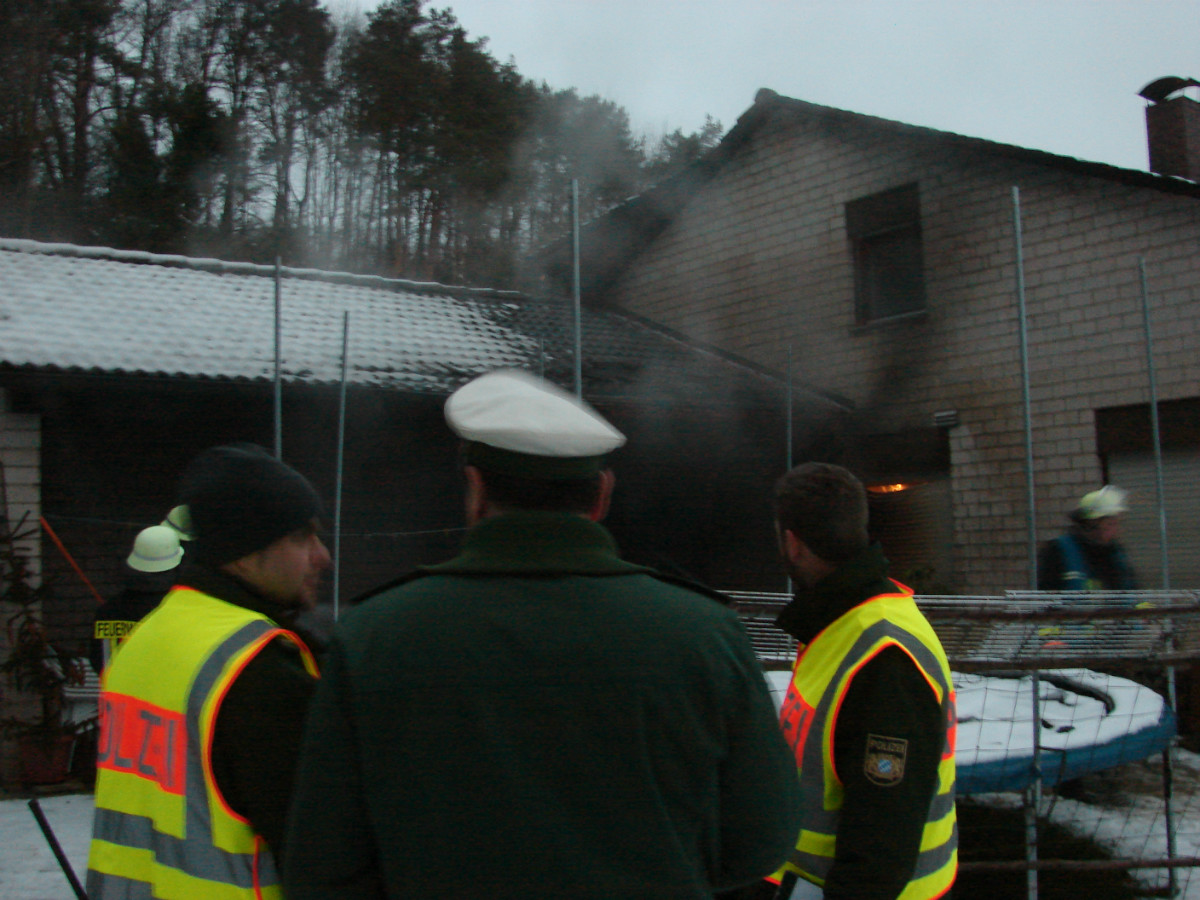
(884,762)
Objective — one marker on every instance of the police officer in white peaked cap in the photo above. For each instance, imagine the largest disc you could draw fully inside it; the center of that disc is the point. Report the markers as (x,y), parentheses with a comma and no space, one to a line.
(518,424)
(543,688)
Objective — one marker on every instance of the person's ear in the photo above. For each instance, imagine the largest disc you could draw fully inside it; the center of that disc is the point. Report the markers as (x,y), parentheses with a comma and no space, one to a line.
(603,497)
(476,499)
(794,550)
(245,568)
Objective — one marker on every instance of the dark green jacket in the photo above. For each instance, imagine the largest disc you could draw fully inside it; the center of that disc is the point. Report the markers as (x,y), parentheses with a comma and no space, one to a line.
(537,719)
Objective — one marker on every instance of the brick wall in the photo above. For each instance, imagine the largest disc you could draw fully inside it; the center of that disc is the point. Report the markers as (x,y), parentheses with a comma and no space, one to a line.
(20,455)
(759,262)
(20,441)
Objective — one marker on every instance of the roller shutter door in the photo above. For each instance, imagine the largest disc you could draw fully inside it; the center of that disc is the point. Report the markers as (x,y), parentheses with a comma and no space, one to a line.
(1135,472)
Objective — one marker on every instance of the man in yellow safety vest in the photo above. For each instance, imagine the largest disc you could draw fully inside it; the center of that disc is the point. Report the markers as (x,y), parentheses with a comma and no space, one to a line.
(869,712)
(202,710)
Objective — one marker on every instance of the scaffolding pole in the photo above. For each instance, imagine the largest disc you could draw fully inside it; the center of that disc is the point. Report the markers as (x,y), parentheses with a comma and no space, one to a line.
(1164,561)
(1033,796)
(789,412)
(577,303)
(1031,508)
(278,364)
(341,454)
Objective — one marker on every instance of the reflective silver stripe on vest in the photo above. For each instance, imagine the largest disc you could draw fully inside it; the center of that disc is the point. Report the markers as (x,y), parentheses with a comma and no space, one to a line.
(197,854)
(812,773)
(116,887)
(941,805)
(929,861)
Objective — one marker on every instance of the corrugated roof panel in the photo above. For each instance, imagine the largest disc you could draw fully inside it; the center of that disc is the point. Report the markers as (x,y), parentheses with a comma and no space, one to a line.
(85,313)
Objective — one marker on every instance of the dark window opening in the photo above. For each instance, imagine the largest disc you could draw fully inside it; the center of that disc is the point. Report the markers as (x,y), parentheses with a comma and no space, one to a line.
(885,238)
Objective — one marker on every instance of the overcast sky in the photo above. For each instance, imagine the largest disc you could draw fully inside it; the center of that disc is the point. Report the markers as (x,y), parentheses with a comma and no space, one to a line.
(1057,75)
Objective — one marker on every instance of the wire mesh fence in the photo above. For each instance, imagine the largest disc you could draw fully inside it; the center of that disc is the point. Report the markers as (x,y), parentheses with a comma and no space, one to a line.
(1067,709)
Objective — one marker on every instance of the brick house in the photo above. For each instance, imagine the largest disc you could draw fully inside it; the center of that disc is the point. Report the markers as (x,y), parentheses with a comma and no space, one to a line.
(882,260)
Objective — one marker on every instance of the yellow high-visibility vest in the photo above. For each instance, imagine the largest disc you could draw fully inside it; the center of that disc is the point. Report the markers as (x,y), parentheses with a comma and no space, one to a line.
(821,677)
(162,827)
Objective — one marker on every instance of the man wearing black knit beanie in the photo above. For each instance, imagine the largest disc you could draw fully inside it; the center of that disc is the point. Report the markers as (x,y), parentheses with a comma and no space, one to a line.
(203,707)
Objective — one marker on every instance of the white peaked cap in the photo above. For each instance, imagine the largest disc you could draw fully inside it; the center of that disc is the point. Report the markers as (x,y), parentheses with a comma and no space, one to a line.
(517,413)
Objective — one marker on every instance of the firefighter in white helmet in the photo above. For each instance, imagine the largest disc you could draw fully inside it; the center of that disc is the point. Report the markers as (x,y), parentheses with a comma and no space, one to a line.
(1089,555)
(149,574)
(179,520)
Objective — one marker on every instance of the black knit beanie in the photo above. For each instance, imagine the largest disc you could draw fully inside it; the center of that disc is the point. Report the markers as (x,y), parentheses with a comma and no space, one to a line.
(241,499)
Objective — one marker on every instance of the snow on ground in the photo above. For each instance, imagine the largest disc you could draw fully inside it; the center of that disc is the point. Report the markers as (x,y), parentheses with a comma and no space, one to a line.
(1133,825)
(1129,823)
(1126,816)
(28,869)
(1124,813)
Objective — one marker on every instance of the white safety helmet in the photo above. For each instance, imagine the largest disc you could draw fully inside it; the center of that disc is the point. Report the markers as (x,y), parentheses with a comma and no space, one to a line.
(180,520)
(1108,501)
(155,549)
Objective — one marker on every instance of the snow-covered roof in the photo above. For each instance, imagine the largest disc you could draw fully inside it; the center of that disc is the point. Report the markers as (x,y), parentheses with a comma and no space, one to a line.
(95,310)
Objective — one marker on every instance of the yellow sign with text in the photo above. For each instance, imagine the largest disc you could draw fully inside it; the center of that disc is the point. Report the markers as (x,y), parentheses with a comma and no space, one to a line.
(112,629)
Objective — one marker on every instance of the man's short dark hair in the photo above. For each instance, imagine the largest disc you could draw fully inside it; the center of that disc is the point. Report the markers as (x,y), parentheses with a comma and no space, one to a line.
(826,507)
(575,495)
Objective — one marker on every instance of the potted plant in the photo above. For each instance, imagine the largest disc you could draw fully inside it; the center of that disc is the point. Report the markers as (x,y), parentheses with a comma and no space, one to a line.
(35,670)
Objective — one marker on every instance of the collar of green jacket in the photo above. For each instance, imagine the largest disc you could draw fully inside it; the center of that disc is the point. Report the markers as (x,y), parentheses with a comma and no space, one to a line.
(537,543)
(858,579)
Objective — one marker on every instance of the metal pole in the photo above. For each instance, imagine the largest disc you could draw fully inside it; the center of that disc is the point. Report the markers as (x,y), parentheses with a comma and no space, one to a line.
(1168,797)
(1033,797)
(56,848)
(790,408)
(278,366)
(1160,497)
(790,413)
(1029,497)
(1154,430)
(1034,794)
(576,292)
(337,490)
